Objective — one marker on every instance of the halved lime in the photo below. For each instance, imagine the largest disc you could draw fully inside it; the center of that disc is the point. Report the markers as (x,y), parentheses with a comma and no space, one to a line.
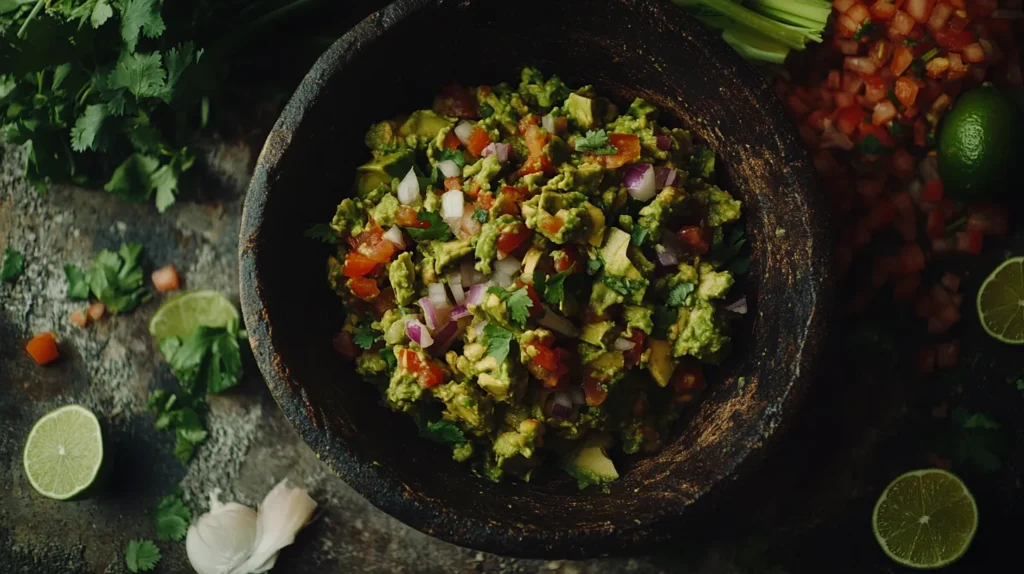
(925,519)
(63,452)
(182,314)
(1001,302)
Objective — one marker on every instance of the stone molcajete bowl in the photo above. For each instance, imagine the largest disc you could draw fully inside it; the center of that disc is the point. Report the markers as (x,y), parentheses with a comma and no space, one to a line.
(394,62)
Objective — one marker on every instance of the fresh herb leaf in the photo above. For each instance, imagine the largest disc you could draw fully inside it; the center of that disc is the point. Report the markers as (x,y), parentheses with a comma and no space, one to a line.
(208,360)
(498,340)
(388,354)
(437,228)
(78,287)
(1019,383)
(702,162)
(739,266)
(594,265)
(480,215)
(141,555)
(897,130)
(679,294)
(171,517)
(723,252)
(595,142)
(866,27)
(453,155)
(978,441)
(321,232)
(554,287)
(114,278)
(871,145)
(444,432)
(910,42)
(139,15)
(638,235)
(929,54)
(517,301)
(486,111)
(87,128)
(13,265)
(622,285)
(664,317)
(365,337)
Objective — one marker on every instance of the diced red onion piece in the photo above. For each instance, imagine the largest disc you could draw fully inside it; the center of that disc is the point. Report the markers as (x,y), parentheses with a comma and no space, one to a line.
(463,130)
(738,306)
(664,177)
(418,333)
(476,294)
(449,168)
(508,266)
(409,189)
(558,323)
(623,344)
(578,397)
(548,123)
(488,150)
(558,405)
(452,206)
(394,235)
(670,246)
(444,337)
(429,312)
(501,150)
(664,143)
(460,312)
(639,180)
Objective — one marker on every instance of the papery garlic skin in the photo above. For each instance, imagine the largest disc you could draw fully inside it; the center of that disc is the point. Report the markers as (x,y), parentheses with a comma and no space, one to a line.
(222,539)
(283,513)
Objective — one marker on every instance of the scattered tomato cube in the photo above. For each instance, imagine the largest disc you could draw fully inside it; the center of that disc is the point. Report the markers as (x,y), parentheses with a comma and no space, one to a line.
(43,348)
(166,278)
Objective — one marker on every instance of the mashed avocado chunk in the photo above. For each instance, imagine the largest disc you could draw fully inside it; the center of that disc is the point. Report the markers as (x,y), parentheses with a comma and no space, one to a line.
(503,287)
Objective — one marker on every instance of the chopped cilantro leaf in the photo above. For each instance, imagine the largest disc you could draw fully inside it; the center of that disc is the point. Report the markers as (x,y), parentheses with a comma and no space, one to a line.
(14,263)
(866,27)
(679,294)
(638,235)
(739,266)
(141,555)
(454,155)
(486,111)
(664,317)
(321,232)
(444,432)
(365,337)
(208,360)
(388,354)
(480,215)
(595,142)
(929,54)
(910,42)
(114,278)
(498,341)
(551,289)
(172,517)
(517,301)
(437,229)
(977,441)
(870,144)
(917,66)
(897,130)
(622,285)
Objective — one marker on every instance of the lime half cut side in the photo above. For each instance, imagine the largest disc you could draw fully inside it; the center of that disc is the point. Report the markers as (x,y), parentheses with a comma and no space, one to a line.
(180,316)
(64,452)
(925,519)
(1001,302)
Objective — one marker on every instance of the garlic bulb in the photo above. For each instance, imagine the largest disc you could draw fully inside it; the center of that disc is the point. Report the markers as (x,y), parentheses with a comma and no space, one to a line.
(234,539)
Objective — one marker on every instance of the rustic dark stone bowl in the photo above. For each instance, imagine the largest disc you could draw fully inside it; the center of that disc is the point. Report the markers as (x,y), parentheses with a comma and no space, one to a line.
(394,62)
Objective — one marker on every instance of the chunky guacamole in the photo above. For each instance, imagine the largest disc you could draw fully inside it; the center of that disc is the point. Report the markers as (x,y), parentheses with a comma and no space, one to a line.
(533,273)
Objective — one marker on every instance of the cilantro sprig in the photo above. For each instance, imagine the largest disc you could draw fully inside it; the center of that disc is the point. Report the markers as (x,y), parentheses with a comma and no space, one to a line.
(436,227)
(517,301)
(208,360)
(679,294)
(171,517)
(141,555)
(551,289)
(499,341)
(595,142)
(115,279)
(364,337)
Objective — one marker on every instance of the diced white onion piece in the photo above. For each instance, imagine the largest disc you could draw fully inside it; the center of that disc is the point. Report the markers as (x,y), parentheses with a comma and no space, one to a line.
(548,123)
(507,266)
(457,291)
(394,235)
(449,168)
(438,296)
(452,205)
(623,344)
(501,279)
(558,323)
(739,306)
(409,189)
(463,130)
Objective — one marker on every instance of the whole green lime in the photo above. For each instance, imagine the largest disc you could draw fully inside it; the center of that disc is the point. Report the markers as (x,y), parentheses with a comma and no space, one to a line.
(980,145)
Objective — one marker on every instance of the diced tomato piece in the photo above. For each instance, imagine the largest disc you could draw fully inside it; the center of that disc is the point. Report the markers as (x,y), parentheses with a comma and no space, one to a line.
(858,13)
(912,258)
(688,380)
(835,80)
(478,140)
(364,287)
(567,259)
(629,150)
(842,6)
(933,191)
(936,67)
(79,318)
(384,302)
(901,60)
(884,113)
(906,90)
(511,240)
(96,311)
(43,348)
(988,219)
(426,372)
(849,118)
(474,190)
(486,200)
(409,217)
(455,100)
(969,242)
(883,10)
(451,141)
(939,16)
(954,40)
(165,278)
(632,356)
(694,239)
(593,391)
(551,224)
(547,365)
(926,360)
(936,227)
(381,252)
(875,90)
(974,53)
(343,344)
(860,65)
(846,27)
(797,106)
(901,163)
(919,10)
(881,215)
(451,183)
(880,52)
(357,265)
(950,282)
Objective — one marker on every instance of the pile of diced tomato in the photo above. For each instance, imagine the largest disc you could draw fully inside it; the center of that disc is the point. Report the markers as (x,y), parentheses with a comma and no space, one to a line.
(868,104)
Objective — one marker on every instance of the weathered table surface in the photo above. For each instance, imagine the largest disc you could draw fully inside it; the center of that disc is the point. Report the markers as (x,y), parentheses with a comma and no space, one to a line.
(808,509)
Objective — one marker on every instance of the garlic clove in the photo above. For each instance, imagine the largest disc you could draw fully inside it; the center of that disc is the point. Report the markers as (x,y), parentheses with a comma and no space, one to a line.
(283,513)
(222,539)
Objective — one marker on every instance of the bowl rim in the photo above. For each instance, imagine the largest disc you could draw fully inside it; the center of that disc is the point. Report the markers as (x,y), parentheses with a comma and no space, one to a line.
(382,489)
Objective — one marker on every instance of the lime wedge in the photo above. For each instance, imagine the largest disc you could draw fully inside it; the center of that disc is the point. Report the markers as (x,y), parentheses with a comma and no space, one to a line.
(180,315)
(1001,302)
(925,519)
(64,452)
